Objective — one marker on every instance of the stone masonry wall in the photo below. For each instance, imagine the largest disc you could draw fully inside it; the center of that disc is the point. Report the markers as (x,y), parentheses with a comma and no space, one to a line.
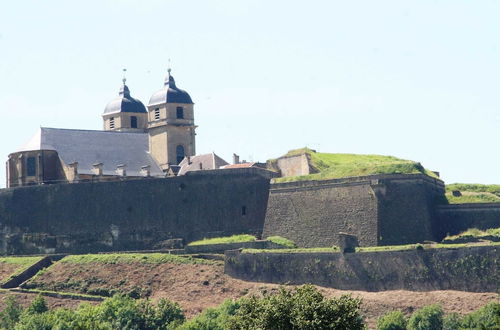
(455,218)
(312,213)
(466,269)
(133,214)
(379,209)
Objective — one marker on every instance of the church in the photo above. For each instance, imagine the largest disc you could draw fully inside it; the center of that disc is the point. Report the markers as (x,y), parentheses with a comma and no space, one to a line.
(137,142)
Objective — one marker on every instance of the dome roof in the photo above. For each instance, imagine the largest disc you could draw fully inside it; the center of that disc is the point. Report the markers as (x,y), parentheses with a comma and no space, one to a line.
(170,94)
(124,103)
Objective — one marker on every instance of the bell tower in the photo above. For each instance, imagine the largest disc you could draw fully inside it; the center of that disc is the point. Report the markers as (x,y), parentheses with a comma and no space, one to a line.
(171,125)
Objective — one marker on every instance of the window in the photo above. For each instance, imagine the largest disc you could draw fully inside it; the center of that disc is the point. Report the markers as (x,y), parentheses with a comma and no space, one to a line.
(133,122)
(180,153)
(31,166)
(243,210)
(180,112)
(112,122)
(157,113)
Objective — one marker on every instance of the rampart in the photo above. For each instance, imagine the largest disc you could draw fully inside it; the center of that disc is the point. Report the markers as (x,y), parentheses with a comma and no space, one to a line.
(466,269)
(378,209)
(133,214)
(455,218)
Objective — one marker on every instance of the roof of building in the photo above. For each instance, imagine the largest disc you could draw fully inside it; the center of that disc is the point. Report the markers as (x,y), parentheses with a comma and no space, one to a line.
(239,165)
(201,162)
(170,94)
(124,103)
(91,147)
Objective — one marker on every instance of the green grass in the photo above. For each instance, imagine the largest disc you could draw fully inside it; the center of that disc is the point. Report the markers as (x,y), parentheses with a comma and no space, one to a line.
(225,240)
(297,250)
(368,248)
(333,166)
(473,193)
(115,258)
(22,264)
(281,241)
(474,232)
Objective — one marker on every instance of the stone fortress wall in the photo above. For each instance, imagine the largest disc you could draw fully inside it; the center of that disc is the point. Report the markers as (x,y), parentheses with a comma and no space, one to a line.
(132,214)
(140,214)
(378,209)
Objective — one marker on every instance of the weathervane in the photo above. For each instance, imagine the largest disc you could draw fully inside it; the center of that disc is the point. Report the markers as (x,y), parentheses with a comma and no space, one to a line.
(169,68)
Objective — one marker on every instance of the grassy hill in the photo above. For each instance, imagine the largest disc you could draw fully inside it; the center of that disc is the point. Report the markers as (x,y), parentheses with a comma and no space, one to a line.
(333,166)
(473,193)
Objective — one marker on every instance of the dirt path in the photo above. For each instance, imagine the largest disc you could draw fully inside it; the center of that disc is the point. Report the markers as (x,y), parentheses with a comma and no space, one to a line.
(197,287)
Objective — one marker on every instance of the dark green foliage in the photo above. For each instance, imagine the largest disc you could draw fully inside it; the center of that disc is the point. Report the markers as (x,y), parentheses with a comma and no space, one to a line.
(304,308)
(38,306)
(487,317)
(394,320)
(452,321)
(10,315)
(427,318)
(213,318)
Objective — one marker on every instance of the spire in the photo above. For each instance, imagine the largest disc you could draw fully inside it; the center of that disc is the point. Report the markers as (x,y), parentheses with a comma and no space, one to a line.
(124,89)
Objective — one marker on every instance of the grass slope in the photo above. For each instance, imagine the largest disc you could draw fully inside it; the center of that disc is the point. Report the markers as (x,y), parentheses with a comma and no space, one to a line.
(473,193)
(148,258)
(12,266)
(225,240)
(333,166)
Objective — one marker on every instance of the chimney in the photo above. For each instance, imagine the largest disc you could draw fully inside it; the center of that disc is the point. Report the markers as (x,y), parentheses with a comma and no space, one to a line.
(236,159)
(189,160)
(97,169)
(121,170)
(145,171)
(73,177)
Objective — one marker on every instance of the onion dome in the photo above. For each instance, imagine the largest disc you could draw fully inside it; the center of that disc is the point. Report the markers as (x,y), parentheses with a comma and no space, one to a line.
(124,103)
(170,93)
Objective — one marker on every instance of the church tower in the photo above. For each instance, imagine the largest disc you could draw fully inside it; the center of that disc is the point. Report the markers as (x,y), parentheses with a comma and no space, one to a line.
(171,124)
(125,113)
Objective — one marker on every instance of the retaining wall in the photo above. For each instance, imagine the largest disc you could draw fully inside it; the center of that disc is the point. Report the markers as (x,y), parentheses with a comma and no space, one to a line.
(468,269)
(131,215)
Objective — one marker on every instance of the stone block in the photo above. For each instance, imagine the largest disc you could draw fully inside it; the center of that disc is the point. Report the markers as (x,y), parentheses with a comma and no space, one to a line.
(347,242)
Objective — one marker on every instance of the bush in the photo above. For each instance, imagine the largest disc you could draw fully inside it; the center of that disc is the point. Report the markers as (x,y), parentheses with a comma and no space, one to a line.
(11,313)
(427,318)
(213,318)
(304,308)
(38,306)
(487,317)
(452,321)
(394,320)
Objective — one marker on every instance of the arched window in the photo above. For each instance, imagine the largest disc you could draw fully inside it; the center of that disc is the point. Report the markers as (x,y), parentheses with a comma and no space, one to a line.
(133,122)
(180,153)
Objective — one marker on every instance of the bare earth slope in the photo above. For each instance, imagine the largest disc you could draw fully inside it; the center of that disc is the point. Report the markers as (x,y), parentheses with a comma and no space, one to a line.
(198,286)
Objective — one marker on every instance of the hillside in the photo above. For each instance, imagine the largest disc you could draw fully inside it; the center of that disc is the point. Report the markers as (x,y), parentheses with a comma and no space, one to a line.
(334,166)
(197,284)
(472,193)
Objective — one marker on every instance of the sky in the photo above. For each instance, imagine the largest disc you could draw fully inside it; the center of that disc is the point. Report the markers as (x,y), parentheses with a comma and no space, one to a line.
(418,80)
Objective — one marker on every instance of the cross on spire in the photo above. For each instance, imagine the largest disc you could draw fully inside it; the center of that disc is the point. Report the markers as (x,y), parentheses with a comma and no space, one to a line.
(124,79)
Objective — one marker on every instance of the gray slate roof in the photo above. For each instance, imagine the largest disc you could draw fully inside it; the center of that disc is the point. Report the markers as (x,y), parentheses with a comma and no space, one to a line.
(124,103)
(170,94)
(90,147)
(208,162)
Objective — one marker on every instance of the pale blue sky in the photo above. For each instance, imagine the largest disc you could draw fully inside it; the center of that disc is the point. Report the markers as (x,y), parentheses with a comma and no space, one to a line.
(414,79)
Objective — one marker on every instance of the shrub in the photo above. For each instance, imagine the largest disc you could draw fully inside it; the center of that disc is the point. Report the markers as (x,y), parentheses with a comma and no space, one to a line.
(487,317)
(394,320)
(304,308)
(213,318)
(427,318)
(38,306)
(452,321)
(11,313)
